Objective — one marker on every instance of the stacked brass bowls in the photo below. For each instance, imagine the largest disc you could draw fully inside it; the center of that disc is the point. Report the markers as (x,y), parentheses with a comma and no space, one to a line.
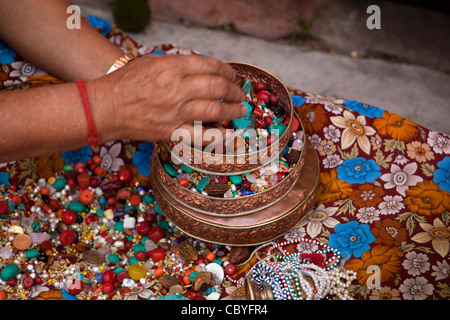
(246,220)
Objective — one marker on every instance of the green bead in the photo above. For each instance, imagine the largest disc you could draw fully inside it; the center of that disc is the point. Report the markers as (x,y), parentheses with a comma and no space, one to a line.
(144,239)
(32,253)
(68,167)
(149,198)
(202,184)
(186,168)
(59,184)
(192,275)
(158,210)
(9,272)
(114,258)
(77,206)
(218,261)
(118,269)
(170,170)
(132,260)
(118,226)
(138,247)
(236,179)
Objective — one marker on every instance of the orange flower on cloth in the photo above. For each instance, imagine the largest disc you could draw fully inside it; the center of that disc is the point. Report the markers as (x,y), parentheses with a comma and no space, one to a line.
(367,195)
(313,117)
(388,232)
(385,258)
(421,152)
(438,234)
(395,126)
(355,129)
(331,188)
(47,166)
(426,199)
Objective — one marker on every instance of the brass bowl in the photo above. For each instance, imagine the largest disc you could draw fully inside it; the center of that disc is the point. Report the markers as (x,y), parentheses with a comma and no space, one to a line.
(225,206)
(250,229)
(227,164)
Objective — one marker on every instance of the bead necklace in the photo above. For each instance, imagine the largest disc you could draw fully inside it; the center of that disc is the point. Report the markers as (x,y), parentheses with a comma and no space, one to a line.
(288,278)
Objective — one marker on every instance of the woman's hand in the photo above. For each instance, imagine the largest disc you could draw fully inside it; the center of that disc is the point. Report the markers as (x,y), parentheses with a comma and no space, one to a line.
(150,97)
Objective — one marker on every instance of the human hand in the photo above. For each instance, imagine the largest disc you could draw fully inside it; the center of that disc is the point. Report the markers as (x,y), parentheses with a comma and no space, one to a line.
(150,97)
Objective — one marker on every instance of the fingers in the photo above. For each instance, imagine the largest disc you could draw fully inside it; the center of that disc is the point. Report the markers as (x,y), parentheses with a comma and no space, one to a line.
(212,111)
(195,65)
(200,136)
(212,87)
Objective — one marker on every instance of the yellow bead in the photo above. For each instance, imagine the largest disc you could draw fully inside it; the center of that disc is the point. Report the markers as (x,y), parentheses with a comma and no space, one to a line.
(137,271)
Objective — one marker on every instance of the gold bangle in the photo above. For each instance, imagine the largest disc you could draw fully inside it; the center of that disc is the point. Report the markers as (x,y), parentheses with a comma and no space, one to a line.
(123,60)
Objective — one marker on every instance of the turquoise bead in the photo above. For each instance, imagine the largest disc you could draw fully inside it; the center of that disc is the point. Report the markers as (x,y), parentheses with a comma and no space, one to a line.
(132,260)
(244,122)
(192,275)
(138,247)
(202,184)
(158,210)
(8,272)
(170,170)
(118,226)
(114,258)
(77,206)
(59,184)
(32,253)
(236,179)
(186,168)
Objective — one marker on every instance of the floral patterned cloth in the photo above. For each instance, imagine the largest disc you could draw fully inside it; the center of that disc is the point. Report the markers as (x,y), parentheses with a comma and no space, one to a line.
(384,194)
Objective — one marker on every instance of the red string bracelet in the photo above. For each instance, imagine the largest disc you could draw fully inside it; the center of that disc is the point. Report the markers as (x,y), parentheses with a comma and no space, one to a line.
(94,137)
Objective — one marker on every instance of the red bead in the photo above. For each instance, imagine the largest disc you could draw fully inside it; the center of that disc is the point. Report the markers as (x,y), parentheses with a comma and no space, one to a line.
(4,207)
(38,280)
(271,139)
(295,124)
(67,237)
(230,269)
(88,220)
(273,99)
(184,182)
(124,194)
(84,180)
(135,200)
(71,183)
(27,282)
(259,86)
(143,228)
(150,217)
(157,254)
(122,275)
(258,113)
(69,217)
(156,233)
(107,287)
(263,95)
(140,255)
(268,120)
(87,197)
(108,276)
(75,287)
(125,175)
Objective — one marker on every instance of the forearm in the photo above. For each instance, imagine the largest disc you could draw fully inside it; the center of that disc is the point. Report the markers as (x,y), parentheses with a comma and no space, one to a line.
(37,30)
(49,120)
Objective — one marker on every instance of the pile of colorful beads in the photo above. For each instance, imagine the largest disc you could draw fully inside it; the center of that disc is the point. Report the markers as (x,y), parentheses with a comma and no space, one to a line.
(89,234)
(265,115)
(242,184)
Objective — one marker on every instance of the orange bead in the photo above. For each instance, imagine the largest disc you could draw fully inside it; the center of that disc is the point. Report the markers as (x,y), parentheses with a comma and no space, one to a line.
(159,272)
(184,182)
(100,172)
(45,191)
(87,197)
(97,159)
(186,280)
(2,295)
(210,256)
